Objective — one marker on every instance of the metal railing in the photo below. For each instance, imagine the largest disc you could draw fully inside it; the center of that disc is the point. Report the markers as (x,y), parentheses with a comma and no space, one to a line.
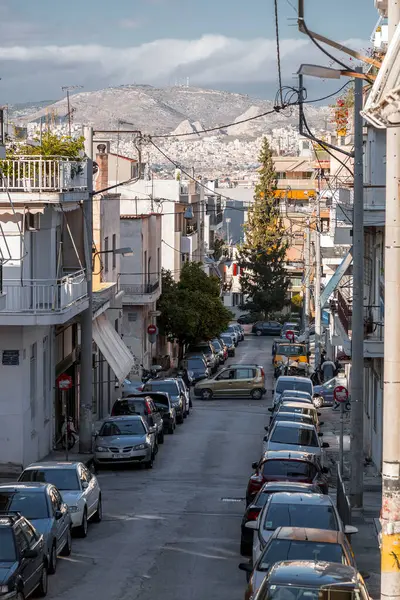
(344,312)
(216,218)
(373,322)
(42,174)
(342,500)
(139,288)
(40,296)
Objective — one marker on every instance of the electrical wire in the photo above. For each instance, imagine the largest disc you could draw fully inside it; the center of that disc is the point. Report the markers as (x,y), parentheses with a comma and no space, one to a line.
(318,45)
(278,51)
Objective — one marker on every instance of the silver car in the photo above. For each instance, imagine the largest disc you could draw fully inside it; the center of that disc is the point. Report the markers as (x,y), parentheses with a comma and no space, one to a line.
(125,439)
(42,505)
(292,435)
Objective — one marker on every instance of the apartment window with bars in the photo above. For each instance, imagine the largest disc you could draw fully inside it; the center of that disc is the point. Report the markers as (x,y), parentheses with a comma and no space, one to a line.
(105,255)
(33,379)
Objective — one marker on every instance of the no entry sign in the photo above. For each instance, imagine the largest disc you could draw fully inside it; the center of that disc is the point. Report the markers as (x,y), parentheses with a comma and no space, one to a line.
(152,330)
(340,393)
(290,335)
(64,382)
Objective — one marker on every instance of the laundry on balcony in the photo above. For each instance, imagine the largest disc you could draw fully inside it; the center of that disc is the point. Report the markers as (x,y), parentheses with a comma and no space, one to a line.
(112,347)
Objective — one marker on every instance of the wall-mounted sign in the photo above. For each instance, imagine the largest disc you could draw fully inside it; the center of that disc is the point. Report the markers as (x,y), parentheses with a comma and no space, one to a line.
(10,358)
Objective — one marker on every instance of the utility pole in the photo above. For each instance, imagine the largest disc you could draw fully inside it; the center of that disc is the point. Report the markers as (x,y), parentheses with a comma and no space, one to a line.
(307,264)
(86,387)
(68,89)
(390,567)
(357,342)
(317,289)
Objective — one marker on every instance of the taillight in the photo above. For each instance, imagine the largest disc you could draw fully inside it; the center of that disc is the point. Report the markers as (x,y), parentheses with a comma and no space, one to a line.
(255,483)
(252,514)
(147,408)
(262,372)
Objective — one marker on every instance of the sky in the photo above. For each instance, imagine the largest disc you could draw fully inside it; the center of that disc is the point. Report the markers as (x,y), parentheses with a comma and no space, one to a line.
(220,44)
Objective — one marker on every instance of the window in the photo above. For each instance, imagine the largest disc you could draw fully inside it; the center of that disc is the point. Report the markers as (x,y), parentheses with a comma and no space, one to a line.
(63,479)
(289,468)
(225,375)
(29,532)
(245,374)
(33,381)
(55,499)
(280,550)
(294,436)
(300,515)
(105,255)
(22,542)
(114,247)
(116,325)
(45,371)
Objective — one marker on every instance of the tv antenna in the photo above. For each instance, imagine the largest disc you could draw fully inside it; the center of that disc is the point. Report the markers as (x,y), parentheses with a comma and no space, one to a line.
(68,89)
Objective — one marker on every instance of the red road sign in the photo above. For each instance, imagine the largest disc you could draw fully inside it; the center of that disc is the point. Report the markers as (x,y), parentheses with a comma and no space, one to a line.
(290,335)
(64,382)
(152,329)
(340,393)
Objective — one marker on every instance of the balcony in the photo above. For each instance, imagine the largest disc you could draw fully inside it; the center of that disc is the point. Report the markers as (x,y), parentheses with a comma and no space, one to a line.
(216,220)
(140,293)
(373,331)
(189,243)
(46,179)
(44,301)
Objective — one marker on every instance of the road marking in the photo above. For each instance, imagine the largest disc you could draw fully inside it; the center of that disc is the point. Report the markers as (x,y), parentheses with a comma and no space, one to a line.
(233,499)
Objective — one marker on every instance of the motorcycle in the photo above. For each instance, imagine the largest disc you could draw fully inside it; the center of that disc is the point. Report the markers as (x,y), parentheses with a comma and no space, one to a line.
(151,373)
(69,435)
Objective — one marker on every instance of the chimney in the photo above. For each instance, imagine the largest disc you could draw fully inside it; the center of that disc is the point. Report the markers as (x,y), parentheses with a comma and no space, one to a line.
(102,161)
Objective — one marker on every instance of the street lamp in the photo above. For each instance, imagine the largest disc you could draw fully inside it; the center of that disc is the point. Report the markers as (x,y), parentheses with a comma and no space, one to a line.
(329,73)
(124,251)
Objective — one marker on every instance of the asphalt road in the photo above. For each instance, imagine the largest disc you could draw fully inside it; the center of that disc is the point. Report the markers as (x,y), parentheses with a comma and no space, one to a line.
(173,532)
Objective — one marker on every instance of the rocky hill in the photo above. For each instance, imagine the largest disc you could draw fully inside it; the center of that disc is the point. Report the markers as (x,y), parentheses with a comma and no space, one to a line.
(171,109)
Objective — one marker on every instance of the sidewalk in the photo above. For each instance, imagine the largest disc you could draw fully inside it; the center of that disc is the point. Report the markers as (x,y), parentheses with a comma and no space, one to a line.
(365,542)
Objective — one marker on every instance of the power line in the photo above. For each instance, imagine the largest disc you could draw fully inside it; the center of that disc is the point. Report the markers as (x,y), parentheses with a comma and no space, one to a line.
(318,45)
(278,51)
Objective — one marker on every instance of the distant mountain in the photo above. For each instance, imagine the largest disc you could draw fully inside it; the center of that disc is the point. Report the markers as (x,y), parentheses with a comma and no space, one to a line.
(166,110)
(26,109)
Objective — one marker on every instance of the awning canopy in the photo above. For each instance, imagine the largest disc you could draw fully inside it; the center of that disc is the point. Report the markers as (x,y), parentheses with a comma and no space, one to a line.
(112,347)
(7,214)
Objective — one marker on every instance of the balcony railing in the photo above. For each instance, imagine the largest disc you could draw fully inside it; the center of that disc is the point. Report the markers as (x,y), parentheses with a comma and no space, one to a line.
(216,218)
(137,289)
(43,296)
(344,311)
(42,174)
(373,322)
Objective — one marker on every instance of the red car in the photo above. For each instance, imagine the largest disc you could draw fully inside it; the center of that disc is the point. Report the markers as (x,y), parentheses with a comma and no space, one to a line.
(286,465)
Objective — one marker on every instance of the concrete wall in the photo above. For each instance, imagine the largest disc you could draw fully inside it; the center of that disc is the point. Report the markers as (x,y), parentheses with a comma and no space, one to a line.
(25,413)
(143,235)
(135,321)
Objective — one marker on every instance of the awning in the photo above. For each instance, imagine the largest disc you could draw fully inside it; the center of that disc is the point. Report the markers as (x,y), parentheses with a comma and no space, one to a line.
(7,214)
(112,347)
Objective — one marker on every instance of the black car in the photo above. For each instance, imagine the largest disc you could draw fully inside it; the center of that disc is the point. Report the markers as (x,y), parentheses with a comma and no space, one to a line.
(229,343)
(23,558)
(171,386)
(196,366)
(267,328)
(142,404)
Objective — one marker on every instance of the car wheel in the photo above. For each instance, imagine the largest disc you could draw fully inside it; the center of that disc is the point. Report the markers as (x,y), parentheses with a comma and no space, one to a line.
(185,414)
(246,549)
(83,528)
(98,515)
(179,419)
(149,464)
(66,551)
(258,332)
(20,596)
(206,394)
(161,437)
(318,401)
(256,394)
(53,560)
(44,583)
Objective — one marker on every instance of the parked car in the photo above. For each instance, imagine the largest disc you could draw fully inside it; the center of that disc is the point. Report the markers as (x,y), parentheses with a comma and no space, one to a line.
(23,559)
(253,510)
(234,333)
(239,329)
(289,326)
(292,351)
(78,487)
(185,391)
(298,543)
(286,399)
(299,436)
(292,383)
(295,509)
(219,350)
(323,394)
(248,318)
(42,505)
(125,440)
(304,408)
(286,465)
(295,394)
(141,404)
(232,381)
(311,580)
(172,388)
(288,416)
(267,328)
(224,348)
(166,410)
(196,365)
(207,349)
(129,387)
(229,342)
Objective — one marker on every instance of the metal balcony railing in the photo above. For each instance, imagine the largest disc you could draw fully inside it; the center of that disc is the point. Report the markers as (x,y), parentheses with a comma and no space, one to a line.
(344,311)
(373,322)
(137,289)
(42,174)
(216,218)
(42,296)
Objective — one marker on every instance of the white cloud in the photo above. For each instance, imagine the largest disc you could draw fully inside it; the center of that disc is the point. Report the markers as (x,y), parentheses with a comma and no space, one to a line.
(211,59)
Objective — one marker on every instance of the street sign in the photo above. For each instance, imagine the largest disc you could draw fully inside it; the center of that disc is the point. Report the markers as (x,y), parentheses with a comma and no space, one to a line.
(64,382)
(340,393)
(290,335)
(152,330)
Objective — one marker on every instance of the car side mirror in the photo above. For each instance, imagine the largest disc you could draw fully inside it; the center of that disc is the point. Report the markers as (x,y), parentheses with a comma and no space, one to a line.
(319,414)
(350,530)
(85,485)
(364,574)
(325,445)
(58,514)
(28,553)
(271,409)
(325,470)
(246,567)
(254,465)
(265,438)
(252,525)
(320,434)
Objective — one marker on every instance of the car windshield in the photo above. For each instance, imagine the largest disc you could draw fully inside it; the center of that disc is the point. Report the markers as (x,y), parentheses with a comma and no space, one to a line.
(290,349)
(304,386)
(195,363)
(171,387)
(33,505)
(216,345)
(283,592)
(227,339)
(202,349)
(279,550)
(129,407)
(63,479)
(294,436)
(296,393)
(161,401)
(300,515)
(310,411)
(125,427)
(7,546)
(300,469)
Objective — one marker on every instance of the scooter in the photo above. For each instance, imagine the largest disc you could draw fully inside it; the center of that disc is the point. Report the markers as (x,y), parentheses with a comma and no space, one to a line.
(151,373)
(68,434)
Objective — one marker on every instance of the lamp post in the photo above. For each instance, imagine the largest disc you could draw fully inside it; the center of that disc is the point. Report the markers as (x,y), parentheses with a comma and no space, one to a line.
(357,342)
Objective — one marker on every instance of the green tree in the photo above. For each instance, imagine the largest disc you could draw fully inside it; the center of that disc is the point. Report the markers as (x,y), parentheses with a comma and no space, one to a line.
(191,309)
(51,145)
(262,255)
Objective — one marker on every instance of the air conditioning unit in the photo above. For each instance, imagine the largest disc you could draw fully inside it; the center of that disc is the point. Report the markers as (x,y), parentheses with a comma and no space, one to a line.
(32,221)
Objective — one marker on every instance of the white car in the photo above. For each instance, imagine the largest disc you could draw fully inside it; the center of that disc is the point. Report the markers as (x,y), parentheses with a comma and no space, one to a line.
(291,435)
(288,382)
(295,509)
(78,487)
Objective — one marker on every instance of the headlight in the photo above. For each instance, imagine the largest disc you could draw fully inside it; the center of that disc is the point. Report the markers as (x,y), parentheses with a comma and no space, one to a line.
(101,449)
(141,447)
(4,589)
(73,509)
